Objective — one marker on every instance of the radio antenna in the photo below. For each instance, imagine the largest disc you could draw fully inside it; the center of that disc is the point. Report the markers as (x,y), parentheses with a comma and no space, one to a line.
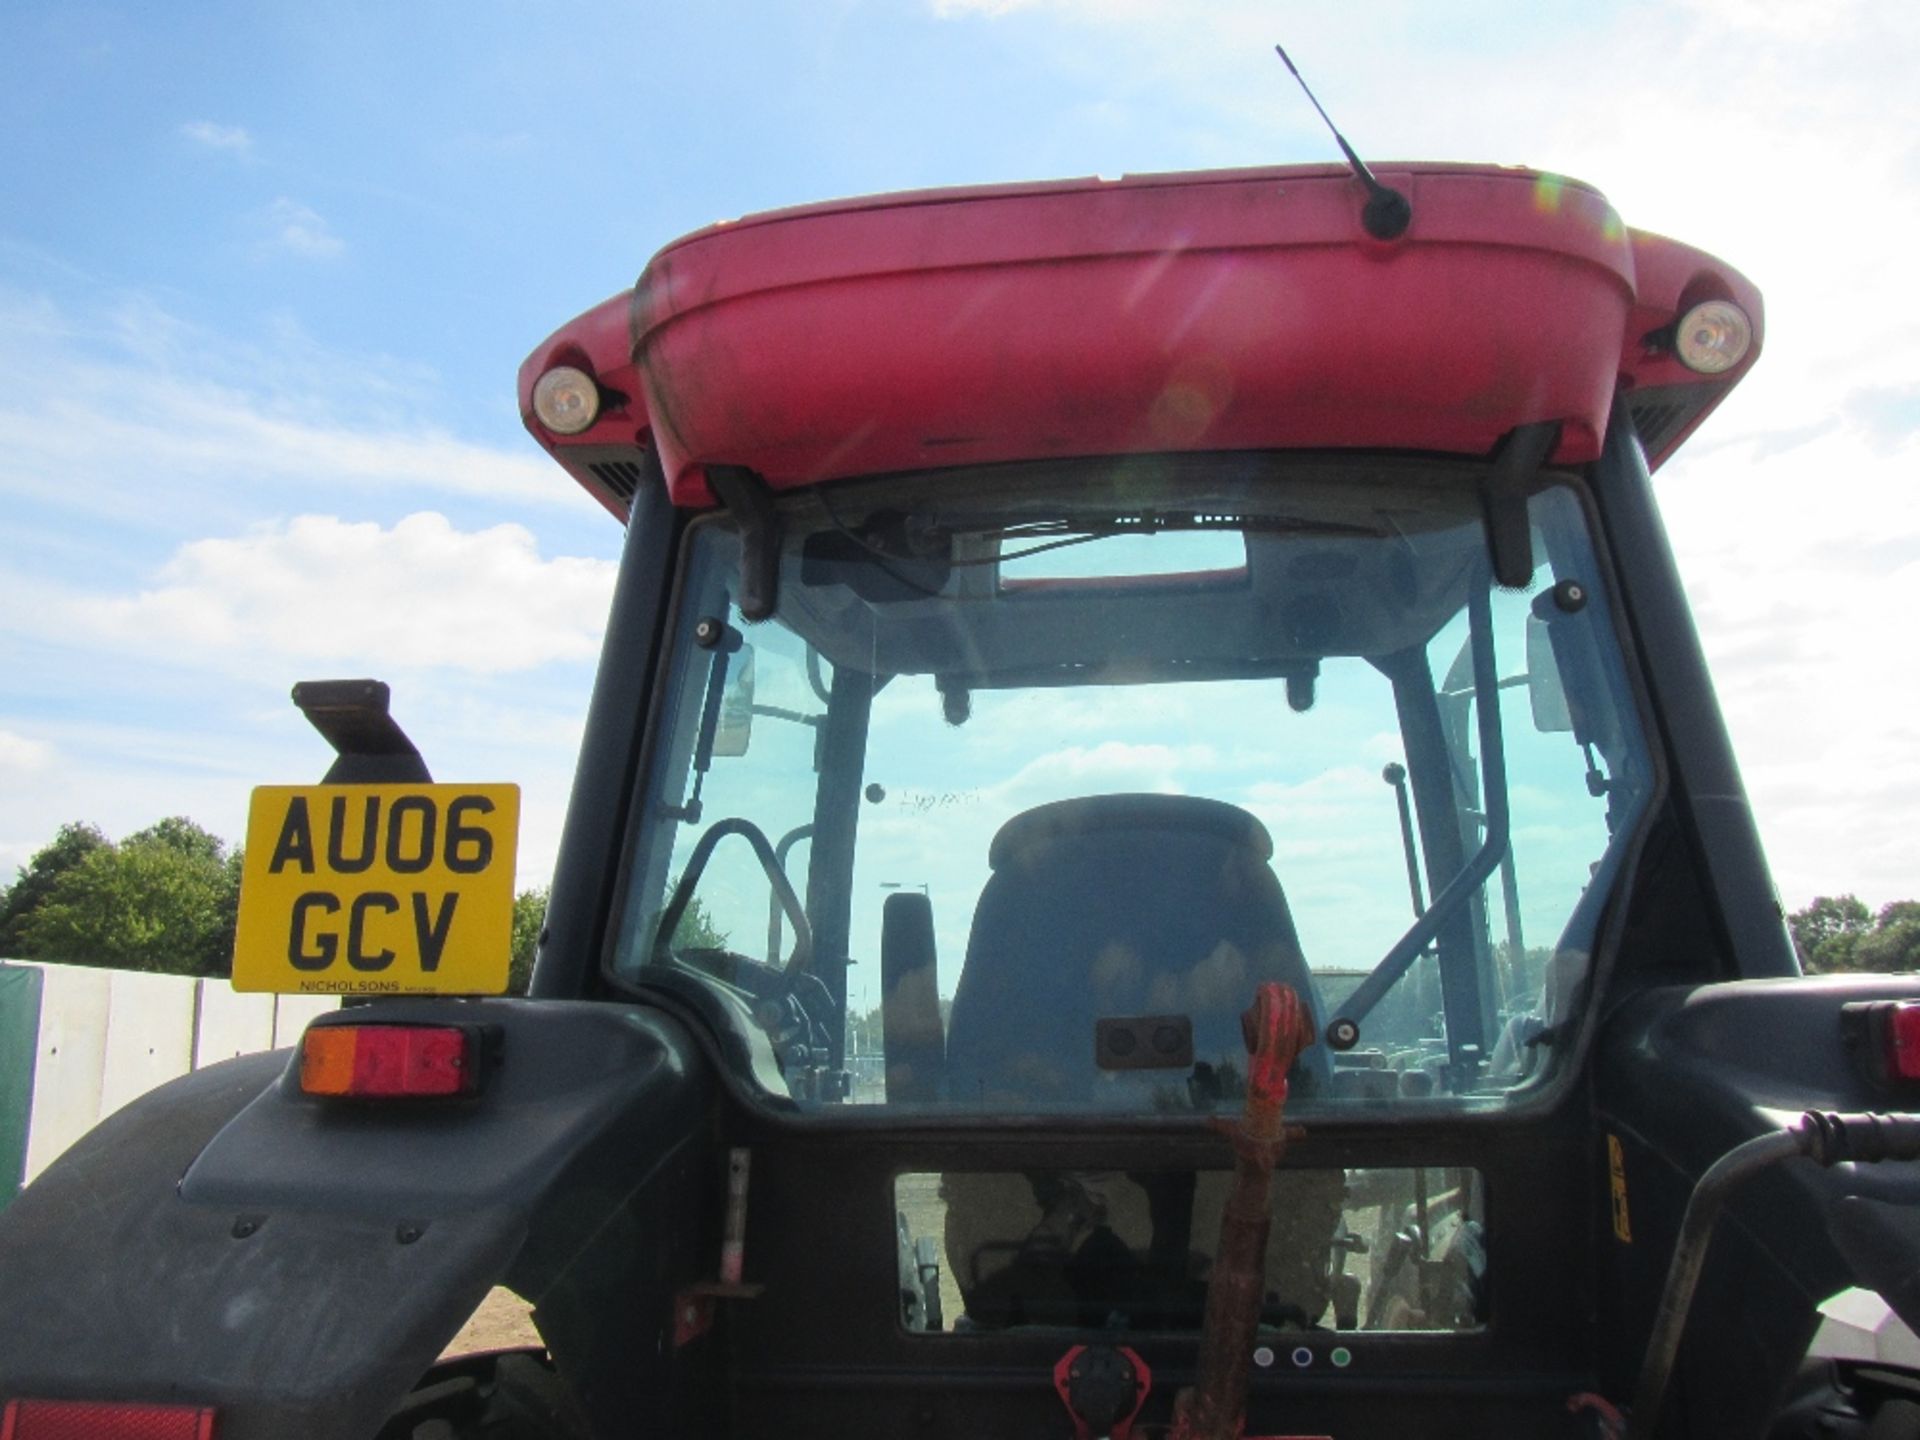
(1387,213)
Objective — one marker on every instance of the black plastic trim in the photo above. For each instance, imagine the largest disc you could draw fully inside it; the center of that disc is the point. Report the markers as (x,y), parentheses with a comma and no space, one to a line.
(587,870)
(1706,777)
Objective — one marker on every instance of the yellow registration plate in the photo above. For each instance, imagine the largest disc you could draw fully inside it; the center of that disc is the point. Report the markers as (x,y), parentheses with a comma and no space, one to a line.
(377,890)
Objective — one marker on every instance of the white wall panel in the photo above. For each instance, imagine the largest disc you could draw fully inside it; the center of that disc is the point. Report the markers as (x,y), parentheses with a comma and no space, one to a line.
(149,1035)
(231,1023)
(68,1061)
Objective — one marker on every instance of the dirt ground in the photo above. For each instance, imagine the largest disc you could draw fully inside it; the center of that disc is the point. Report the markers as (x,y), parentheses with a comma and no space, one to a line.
(918,1198)
(503,1321)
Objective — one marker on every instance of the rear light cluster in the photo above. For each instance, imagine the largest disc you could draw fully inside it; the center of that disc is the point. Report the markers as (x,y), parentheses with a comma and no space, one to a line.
(566,400)
(1885,1037)
(103,1420)
(1713,337)
(389,1062)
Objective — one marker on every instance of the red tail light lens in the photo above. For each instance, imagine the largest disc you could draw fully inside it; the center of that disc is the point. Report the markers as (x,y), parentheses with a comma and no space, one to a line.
(389,1062)
(1903,1041)
(102,1420)
(1884,1036)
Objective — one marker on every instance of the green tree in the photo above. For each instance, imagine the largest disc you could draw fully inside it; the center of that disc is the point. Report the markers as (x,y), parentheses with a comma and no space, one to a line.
(37,878)
(157,901)
(1827,931)
(696,930)
(529,919)
(177,832)
(1839,933)
(205,849)
(1894,945)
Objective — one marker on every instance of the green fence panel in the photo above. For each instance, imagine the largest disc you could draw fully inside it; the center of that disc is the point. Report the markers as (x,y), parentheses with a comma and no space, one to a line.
(19,1045)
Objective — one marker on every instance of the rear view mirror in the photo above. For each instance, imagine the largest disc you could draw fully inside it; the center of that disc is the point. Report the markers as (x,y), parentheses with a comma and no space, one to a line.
(735,730)
(1544,690)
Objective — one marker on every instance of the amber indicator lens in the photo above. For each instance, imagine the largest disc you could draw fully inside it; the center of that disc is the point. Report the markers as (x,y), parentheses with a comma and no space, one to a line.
(101,1420)
(385,1062)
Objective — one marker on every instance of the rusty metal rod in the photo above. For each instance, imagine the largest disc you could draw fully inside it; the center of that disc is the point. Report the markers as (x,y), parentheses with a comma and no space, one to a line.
(1276,1029)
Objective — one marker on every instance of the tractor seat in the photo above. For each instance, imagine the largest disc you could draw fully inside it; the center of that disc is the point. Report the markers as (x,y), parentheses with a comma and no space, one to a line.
(1120,905)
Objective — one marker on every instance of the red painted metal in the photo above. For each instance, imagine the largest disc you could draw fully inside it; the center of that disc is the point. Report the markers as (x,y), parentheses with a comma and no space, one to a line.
(104,1420)
(1215,311)
(1277,1028)
(692,1316)
(694,1307)
(1610,1422)
(1063,1385)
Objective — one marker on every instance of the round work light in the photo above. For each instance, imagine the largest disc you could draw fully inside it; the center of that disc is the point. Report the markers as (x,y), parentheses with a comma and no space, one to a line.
(566,400)
(1713,337)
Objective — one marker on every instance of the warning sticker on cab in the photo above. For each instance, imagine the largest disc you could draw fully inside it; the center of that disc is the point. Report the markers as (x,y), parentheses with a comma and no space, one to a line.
(1617,1187)
(377,890)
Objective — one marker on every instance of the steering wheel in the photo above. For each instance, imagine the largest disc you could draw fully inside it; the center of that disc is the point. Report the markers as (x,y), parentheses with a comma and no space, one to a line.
(741,966)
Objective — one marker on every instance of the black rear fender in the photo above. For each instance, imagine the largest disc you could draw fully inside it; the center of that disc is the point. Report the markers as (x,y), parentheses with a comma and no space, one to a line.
(300,1263)
(1684,1074)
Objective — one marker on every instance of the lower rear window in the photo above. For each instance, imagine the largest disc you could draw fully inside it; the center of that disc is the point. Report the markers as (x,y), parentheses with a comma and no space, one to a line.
(1377,1249)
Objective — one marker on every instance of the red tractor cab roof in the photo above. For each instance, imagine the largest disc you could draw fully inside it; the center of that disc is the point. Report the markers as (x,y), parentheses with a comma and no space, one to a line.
(1227,310)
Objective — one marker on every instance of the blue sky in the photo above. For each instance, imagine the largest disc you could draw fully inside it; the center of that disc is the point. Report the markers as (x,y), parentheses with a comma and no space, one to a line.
(266,273)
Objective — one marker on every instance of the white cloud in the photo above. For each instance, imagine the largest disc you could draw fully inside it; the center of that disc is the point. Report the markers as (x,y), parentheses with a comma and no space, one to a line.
(214,421)
(20,755)
(319,590)
(949,9)
(1804,570)
(301,230)
(174,696)
(231,138)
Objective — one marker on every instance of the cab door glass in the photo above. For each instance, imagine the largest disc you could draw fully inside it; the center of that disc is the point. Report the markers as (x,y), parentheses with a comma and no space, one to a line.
(768,781)
(1573,781)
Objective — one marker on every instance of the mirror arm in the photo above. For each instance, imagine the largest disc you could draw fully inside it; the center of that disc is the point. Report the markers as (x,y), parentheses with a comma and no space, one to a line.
(815,680)
(798,717)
